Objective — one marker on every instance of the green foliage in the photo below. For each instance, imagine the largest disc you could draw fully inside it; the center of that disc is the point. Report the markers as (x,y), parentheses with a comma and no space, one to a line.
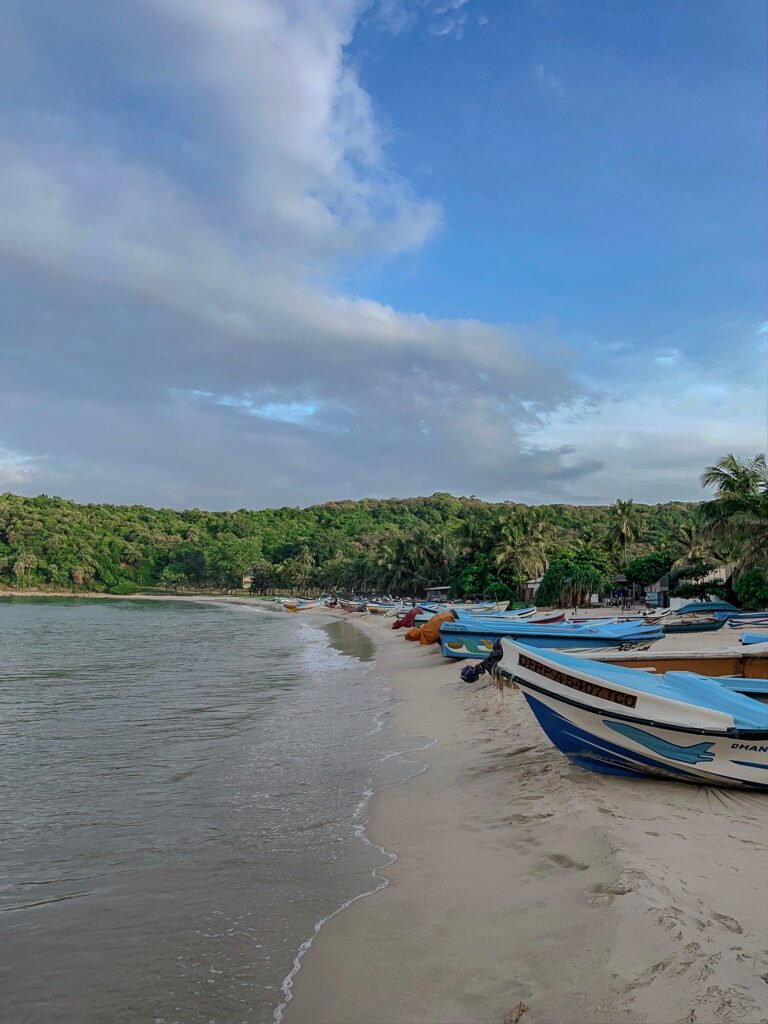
(571,581)
(687,581)
(752,589)
(624,526)
(123,588)
(700,591)
(737,518)
(647,569)
(394,545)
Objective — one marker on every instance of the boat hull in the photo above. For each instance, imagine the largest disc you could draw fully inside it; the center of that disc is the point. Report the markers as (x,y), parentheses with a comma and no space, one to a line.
(611,746)
(693,626)
(461,646)
(610,724)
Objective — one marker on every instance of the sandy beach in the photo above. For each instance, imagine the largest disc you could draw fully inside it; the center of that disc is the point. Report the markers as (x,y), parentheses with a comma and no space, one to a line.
(529,890)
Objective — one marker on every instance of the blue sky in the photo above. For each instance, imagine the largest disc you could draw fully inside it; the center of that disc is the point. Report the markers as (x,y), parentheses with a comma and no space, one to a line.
(597,161)
(276,252)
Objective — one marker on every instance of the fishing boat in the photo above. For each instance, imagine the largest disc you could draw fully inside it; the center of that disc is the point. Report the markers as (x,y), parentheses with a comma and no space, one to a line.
(693,624)
(625,721)
(297,606)
(475,640)
(707,608)
(745,619)
(474,614)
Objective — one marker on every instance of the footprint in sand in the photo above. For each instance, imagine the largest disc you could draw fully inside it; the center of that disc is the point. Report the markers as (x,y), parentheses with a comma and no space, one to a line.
(727,922)
(560,860)
(604,893)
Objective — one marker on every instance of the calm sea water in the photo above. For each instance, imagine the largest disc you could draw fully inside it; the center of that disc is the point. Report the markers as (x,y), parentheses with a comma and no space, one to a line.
(182,800)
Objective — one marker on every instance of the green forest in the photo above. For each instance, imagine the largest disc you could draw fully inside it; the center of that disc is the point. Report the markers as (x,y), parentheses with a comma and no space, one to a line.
(384,545)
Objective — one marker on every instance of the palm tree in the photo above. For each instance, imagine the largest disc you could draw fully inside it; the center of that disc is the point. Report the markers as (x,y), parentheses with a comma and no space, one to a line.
(733,477)
(625,524)
(692,542)
(521,548)
(738,515)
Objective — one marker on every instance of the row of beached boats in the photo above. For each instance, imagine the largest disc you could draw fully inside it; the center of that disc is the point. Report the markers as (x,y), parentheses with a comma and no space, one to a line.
(613,708)
(603,700)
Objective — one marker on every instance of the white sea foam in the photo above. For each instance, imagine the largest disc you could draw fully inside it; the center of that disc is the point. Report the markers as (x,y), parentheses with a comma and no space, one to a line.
(360,825)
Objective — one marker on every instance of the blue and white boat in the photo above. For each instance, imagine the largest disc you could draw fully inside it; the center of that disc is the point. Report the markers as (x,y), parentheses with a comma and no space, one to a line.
(475,639)
(624,721)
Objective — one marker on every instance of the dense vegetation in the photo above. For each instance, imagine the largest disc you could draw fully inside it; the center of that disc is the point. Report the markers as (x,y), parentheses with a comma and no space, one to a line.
(393,545)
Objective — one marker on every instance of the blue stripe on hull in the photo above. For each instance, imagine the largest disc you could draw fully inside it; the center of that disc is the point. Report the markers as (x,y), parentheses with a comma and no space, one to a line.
(599,755)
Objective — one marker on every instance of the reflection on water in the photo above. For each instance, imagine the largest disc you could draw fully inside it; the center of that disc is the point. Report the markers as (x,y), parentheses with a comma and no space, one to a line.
(177,793)
(345,637)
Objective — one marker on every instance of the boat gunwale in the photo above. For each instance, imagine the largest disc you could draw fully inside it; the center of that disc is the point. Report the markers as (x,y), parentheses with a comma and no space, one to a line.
(733,732)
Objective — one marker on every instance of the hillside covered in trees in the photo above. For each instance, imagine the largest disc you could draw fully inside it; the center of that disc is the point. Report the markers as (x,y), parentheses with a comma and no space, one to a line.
(395,545)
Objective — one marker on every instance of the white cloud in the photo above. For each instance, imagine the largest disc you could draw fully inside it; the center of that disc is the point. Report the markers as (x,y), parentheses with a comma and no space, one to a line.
(192,321)
(171,329)
(673,415)
(440,17)
(20,472)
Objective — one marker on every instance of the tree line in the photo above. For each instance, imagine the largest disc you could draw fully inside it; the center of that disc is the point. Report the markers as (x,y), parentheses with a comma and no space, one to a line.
(386,545)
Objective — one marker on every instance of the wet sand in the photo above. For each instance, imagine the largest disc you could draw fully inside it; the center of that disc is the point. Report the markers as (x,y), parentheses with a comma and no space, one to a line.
(529,890)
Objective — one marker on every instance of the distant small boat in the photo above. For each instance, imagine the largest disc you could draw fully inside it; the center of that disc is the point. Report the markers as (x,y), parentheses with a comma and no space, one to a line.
(548,620)
(754,638)
(694,624)
(377,609)
(624,721)
(706,608)
(745,619)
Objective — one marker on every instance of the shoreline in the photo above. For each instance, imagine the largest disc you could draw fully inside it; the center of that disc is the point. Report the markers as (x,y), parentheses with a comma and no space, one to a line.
(379,874)
(250,602)
(527,889)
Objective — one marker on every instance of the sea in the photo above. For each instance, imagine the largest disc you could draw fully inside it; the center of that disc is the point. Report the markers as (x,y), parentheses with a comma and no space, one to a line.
(183,800)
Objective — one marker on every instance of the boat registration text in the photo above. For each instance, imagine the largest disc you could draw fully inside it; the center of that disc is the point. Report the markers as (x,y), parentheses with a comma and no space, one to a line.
(628,700)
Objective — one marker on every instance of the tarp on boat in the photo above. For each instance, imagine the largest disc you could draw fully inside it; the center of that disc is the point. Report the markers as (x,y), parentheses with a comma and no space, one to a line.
(407,620)
(430,631)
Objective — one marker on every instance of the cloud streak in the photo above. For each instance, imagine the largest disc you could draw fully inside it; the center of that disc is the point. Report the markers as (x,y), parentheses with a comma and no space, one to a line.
(172,328)
(159,320)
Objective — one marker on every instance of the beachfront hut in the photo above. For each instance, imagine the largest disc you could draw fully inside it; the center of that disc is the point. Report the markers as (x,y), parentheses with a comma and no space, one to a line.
(531,589)
(436,593)
(657,594)
(722,575)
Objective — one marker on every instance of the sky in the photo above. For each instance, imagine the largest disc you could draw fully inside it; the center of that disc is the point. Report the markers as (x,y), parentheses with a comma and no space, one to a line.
(278,252)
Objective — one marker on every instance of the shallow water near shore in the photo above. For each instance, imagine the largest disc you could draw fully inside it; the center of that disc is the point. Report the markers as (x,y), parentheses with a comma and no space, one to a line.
(182,799)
